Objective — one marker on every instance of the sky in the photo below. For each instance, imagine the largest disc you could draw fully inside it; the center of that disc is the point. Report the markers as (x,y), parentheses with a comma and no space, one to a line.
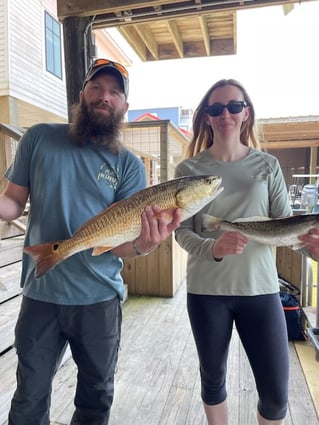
(276,61)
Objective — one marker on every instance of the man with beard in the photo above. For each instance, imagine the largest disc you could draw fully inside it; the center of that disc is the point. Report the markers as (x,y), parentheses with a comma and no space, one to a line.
(71,173)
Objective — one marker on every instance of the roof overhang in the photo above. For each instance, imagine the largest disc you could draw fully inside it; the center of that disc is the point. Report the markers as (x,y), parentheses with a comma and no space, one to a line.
(293,132)
(167,29)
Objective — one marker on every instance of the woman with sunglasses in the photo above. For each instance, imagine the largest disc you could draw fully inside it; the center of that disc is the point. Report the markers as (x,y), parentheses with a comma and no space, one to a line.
(231,281)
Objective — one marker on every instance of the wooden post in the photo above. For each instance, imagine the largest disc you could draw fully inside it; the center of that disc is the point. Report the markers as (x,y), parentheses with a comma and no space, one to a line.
(164,152)
(3,160)
(74,29)
(313,163)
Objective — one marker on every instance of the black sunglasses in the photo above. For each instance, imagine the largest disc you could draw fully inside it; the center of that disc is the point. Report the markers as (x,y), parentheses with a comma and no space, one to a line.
(233,107)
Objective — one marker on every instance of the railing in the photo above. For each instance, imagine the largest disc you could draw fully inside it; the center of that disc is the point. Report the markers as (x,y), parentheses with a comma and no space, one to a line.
(9,137)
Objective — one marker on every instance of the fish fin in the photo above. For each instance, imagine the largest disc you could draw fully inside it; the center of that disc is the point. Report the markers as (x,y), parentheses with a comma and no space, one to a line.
(168,213)
(255,218)
(210,223)
(98,250)
(46,256)
(297,246)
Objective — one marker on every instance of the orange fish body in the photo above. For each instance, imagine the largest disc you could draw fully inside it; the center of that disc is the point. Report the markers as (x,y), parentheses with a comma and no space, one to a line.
(121,222)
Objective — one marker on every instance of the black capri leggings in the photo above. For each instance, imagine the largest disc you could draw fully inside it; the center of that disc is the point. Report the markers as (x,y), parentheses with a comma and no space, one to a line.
(261,326)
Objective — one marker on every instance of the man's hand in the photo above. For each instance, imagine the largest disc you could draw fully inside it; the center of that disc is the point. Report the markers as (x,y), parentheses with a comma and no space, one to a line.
(312,242)
(157,225)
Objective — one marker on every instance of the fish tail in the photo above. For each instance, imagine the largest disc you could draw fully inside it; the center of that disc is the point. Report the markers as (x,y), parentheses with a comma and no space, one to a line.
(210,223)
(46,256)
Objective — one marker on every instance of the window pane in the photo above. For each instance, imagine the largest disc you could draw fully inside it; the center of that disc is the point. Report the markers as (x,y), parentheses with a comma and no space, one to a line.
(53,46)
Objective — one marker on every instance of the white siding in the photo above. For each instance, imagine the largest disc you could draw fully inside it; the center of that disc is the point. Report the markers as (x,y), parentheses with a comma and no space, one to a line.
(3,48)
(28,77)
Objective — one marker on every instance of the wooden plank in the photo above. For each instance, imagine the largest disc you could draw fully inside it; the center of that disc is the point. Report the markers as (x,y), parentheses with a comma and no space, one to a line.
(296,274)
(288,144)
(83,8)
(234,380)
(9,229)
(289,265)
(179,264)
(61,391)
(301,407)
(20,225)
(3,160)
(10,281)
(8,318)
(165,270)
(141,275)
(11,250)
(158,274)
(152,263)
(157,380)
(128,274)
(8,365)
(309,362)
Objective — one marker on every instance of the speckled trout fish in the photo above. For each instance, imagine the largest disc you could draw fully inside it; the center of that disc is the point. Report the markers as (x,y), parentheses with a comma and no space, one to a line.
(267,231)
(121,222)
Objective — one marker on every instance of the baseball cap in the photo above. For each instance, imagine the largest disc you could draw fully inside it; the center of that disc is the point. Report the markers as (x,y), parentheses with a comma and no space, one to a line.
(111,67)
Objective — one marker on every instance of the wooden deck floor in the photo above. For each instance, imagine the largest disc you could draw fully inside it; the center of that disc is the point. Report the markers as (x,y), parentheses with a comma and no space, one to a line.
(157,381)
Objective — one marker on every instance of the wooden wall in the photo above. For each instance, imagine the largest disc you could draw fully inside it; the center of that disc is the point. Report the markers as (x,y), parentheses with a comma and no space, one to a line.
(157,274)
(289,265)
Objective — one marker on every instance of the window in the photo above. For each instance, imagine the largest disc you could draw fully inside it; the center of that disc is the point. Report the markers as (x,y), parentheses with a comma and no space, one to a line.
(53,46)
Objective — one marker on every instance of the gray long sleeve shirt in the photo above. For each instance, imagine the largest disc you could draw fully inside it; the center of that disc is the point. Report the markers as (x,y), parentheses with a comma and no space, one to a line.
(253,186)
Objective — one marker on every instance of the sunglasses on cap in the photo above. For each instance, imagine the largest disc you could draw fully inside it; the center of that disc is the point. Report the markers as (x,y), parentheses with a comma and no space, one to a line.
(106,62)
(233,107)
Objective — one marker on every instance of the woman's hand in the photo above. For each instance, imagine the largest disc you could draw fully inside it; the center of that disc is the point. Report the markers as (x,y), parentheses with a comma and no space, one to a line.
(229,243)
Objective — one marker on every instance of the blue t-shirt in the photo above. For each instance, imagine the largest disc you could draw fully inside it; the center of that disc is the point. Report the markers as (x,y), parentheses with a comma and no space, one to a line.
(68,186)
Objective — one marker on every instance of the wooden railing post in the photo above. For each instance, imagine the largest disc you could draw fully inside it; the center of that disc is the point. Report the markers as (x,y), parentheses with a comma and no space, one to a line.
(3,160)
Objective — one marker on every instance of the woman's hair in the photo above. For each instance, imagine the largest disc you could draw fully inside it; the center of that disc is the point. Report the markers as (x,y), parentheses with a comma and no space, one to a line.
(203,135)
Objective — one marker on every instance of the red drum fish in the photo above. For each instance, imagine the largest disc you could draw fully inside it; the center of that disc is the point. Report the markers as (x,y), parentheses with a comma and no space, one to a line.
(121,222)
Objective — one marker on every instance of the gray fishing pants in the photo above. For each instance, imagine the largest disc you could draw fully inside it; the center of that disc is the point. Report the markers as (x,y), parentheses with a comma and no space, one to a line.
(41,336)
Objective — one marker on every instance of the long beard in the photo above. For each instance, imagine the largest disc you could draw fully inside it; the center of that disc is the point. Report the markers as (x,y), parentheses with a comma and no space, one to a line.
(90,126)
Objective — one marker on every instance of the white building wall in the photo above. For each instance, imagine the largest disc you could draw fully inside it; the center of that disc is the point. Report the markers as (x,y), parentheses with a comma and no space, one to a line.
(3,48)
(28,78)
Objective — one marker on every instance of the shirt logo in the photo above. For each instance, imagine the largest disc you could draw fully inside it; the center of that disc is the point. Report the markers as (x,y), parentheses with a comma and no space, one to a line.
(109,175)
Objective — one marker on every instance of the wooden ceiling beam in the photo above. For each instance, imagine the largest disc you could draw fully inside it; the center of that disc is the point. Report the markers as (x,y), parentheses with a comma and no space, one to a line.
(133,38)
(204,28)
(176,36)
(148,39)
